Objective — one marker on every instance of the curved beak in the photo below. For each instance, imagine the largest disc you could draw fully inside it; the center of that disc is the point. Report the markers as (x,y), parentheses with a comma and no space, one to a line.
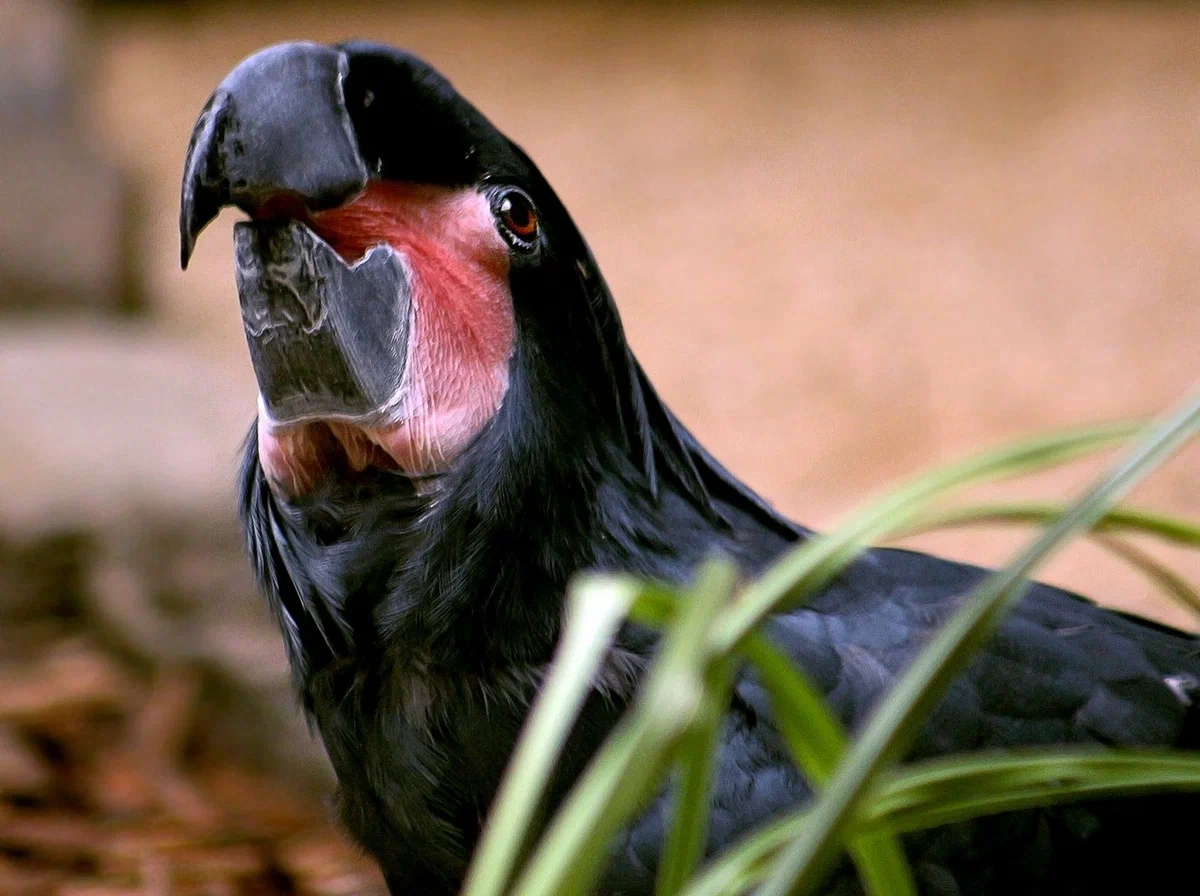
(327,339)
(276,127)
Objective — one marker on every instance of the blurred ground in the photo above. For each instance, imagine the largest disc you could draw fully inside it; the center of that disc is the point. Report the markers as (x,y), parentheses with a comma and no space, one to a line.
(120,777)
(847,245)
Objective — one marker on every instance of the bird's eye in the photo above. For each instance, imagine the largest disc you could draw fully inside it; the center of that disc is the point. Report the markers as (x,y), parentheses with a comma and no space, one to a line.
(518,218)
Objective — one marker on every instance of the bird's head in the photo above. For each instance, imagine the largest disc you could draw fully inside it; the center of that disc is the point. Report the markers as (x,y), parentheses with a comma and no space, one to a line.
(405,268)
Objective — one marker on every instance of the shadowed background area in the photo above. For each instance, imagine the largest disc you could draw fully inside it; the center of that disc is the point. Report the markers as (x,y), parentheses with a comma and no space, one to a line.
(848,243)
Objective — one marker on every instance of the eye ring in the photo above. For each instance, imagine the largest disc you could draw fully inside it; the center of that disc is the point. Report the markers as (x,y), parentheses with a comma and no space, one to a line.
(517,217)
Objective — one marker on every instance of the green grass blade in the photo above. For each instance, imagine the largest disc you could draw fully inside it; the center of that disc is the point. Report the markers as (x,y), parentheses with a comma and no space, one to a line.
(746,863)
(895,725)
(567,863)
(1123,520)
(942,791)
(818,742)
(631,764)
(1120,520)
(815,737)
(1170,583)
(656,605)
(698,752)
(597,607)
(811,564)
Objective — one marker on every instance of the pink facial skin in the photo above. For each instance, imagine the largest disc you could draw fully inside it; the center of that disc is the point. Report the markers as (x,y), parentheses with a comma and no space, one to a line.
(461,338)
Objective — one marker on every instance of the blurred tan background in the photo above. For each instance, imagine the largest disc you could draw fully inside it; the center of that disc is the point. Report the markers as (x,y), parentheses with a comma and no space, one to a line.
(848,243)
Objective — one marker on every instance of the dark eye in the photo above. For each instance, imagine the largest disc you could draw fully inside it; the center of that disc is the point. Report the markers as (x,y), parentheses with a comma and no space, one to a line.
(518,218)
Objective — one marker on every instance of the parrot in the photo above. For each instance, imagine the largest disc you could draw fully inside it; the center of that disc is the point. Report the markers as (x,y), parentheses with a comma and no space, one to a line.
(452,425)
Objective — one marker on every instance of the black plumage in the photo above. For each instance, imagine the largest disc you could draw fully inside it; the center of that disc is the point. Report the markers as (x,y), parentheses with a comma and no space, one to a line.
(419,615)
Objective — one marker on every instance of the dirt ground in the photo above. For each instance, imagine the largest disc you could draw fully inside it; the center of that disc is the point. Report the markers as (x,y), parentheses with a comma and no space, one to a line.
(847,245)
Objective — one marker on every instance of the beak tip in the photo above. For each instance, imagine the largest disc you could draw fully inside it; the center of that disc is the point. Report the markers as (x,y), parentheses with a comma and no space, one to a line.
(199,200)
(287,103)
(197,209)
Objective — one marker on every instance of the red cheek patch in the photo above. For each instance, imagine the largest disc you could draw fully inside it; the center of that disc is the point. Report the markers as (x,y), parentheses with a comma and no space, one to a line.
(462,331)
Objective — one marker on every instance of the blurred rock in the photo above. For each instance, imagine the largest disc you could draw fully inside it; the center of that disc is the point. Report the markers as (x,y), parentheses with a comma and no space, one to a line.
(117,471)
(66,236)
(104,423)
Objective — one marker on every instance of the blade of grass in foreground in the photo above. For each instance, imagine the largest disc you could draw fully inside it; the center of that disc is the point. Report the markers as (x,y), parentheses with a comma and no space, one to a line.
(1119,520)
(1170,583)
(818,743)
(633,759)
(698,754)
(597,608)
(943,791)
(807,859)
(805,568)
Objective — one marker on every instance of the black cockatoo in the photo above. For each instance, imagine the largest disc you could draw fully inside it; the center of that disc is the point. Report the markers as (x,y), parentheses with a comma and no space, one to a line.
(451,425)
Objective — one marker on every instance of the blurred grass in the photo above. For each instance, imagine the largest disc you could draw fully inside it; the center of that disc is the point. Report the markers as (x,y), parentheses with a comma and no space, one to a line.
(675,716)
